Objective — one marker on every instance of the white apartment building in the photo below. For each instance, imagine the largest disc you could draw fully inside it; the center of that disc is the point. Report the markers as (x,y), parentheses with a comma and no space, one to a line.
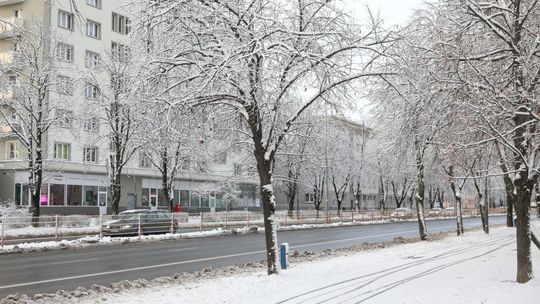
(76,147)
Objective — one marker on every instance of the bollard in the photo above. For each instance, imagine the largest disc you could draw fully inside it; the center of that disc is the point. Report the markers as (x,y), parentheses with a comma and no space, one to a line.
(382,214)
(139,231)
(56,227)
(100,226)
(2,236)
(284,255)
(226,213)
(172,222)
(200,226)
(372,218)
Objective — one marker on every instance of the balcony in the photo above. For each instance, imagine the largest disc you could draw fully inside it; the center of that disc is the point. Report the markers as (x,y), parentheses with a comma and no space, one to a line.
(9,26)
(9,2)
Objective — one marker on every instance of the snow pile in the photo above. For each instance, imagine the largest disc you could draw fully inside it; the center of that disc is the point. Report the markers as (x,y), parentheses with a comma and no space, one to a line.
(94,240)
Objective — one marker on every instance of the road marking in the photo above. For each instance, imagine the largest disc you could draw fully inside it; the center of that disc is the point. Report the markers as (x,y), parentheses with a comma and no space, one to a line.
(354,239)
(130,269)
(75,261)
(183,249)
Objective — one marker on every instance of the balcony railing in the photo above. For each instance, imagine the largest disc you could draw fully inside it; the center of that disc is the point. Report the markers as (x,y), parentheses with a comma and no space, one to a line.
(9,26)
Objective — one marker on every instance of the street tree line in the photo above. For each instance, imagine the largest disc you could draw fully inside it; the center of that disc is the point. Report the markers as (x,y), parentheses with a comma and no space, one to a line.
(454,93)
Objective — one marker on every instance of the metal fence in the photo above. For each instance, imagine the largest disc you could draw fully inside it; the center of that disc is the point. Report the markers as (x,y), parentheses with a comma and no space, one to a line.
(15,230)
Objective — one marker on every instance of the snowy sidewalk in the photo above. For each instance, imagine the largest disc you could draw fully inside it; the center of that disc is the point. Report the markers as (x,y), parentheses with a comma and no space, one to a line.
(472,269)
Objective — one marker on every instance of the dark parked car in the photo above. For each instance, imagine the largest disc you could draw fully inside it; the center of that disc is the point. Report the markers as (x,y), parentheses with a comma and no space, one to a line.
(127,223)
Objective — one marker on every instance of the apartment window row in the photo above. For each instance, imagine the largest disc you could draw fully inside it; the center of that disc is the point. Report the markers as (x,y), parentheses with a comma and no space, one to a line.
(62,151)
(121,24)
(65,53)
(64,119)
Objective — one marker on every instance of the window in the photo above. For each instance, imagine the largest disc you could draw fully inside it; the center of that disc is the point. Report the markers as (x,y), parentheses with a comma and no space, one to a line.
(65,20)
(120,24)
(220,158)
(12,150)
(94,3)
(64,118)
(65,85)
(17,13)
(119,52)
(90,154)
(62,151)
(237,169)
(310,198)
(64,52)
(92,60)
(91,91)
(57,195)
(91,124)
(74,195)
(144,160)
(93,29)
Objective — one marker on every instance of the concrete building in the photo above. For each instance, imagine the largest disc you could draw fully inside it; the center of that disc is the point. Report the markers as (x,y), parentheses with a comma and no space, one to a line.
(76,147)
(352,141)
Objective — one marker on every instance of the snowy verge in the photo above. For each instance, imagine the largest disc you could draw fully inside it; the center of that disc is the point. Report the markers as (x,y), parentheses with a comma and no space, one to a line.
(29,247)
(474,268)
(105,241)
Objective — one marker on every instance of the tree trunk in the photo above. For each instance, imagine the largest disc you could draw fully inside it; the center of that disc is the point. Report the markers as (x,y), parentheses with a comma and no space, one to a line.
(36,175)
(116,189)
(420,194)
(457,196)
(269,207)
(523,234)
(291,200)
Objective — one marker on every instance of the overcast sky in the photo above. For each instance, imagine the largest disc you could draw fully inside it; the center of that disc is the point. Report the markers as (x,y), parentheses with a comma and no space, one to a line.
(393,12)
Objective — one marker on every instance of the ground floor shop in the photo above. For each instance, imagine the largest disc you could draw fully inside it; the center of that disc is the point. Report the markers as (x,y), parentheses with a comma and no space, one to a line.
(80,193)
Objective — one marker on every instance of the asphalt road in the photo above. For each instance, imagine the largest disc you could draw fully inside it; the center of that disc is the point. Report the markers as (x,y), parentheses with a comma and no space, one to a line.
(48,272)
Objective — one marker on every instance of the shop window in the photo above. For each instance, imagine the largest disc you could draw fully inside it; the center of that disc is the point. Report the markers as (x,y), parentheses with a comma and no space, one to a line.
(74,195)
(162,200)
(57,195)
(90,195)
(145,197)
(184,197)
(204,200)
(194,200)
(176,199)
(44,195)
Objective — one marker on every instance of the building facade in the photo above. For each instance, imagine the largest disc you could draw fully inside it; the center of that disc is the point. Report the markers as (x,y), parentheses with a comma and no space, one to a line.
(76,146)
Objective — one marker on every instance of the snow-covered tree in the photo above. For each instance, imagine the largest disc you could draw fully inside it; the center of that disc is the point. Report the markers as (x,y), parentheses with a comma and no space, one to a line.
(27,80)
(257,58)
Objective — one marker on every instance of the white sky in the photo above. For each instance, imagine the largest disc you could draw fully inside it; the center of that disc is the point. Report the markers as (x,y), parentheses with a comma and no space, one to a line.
(393,12)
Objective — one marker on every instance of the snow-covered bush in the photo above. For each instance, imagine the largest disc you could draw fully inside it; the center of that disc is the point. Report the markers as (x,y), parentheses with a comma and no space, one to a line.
(9,209)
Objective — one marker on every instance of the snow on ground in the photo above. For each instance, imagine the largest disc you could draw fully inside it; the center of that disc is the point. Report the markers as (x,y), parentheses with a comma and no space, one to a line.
(94,240)
(475,268)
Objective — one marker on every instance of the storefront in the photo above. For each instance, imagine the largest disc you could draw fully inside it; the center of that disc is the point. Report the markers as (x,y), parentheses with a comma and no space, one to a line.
(65,190)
